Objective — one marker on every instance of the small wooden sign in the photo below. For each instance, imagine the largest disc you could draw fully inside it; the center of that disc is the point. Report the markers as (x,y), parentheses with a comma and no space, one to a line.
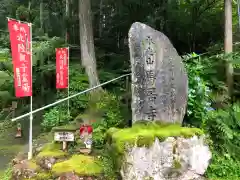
(64,136)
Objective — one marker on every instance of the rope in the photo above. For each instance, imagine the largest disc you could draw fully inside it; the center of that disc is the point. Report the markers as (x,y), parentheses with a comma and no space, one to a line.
(65,99)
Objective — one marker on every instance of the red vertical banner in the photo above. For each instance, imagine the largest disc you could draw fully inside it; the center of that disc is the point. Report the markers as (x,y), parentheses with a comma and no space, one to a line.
(62,68)
(20,39)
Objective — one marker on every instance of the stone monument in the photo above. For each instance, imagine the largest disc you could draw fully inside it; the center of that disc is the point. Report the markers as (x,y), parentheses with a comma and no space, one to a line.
(159,79)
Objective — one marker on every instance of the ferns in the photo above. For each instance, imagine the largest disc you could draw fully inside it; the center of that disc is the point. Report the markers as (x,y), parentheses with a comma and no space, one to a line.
(224,127)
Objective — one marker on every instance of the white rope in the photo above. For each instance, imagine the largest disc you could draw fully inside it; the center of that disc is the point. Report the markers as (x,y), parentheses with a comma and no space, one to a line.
(65,99)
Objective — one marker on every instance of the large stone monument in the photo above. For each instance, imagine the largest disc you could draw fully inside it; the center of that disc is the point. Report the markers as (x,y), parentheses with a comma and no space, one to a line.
(159,79)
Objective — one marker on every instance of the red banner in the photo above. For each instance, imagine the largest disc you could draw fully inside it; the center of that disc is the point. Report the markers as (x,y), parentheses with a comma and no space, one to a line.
(62,68)
(20,38)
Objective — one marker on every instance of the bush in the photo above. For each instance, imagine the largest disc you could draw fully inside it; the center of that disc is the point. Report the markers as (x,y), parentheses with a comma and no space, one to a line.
(78,82)
(55,117)
(223,167)
(198,92)
(108,106)
(223,126)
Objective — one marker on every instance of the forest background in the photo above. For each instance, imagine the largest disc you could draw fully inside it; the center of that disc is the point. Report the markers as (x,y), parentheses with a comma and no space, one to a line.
(196,29)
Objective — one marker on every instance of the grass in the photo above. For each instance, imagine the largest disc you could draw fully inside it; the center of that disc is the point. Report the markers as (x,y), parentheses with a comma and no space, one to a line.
(144,134)
(80,164)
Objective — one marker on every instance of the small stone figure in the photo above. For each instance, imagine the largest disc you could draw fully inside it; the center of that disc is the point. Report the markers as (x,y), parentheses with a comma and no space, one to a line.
(86,136)
(19,131)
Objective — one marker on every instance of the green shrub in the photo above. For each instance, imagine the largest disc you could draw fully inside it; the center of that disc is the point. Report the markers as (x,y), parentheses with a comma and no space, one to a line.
(55,117)
(78,82)
(198,92)
(223,126)
(108,106)
(223,167)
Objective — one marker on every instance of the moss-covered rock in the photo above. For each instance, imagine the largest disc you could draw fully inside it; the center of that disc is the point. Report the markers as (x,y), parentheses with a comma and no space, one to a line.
(43,176)
(80,164)
(52,150)
(144,134)
(69,127)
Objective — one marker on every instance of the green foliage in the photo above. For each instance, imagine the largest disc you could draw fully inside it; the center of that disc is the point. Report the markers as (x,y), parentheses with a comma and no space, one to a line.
(223,167)
(107,160)
(223,126)
(78,83)
(198,91)
(55,117)
(22,13)
(108,106)
(7,174)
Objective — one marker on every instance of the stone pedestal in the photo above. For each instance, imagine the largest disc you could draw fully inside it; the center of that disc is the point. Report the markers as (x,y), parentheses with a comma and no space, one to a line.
(160,153)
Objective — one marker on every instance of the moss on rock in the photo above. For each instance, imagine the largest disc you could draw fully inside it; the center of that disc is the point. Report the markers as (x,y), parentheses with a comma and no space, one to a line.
(52,150)
(32,164)
(82,165)
(144,134)
(68,127)
(43,176)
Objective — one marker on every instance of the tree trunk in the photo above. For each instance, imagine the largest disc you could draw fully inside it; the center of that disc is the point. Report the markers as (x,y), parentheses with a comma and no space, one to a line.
(67,17)
(41,16)
(42,60)
(29,5)
(87,42)
(228,43)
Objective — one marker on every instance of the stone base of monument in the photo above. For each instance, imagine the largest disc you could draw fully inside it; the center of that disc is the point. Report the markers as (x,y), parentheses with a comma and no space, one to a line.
(156,152)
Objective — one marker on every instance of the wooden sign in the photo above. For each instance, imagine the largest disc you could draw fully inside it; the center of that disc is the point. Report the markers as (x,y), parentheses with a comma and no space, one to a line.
(64,136)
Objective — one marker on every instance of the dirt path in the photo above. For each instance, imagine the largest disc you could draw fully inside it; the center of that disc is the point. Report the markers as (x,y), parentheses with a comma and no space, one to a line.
(11,146)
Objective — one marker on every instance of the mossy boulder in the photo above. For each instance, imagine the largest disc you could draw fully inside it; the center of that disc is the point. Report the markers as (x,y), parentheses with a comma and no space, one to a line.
(82,165)
(52,150)
(49,155)
(24,169)
(72,127)
(167,148)
(144,134)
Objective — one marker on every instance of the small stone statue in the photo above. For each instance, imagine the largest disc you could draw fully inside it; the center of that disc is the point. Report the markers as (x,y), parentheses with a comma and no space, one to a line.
(86,131)
(19,131)
(86,135)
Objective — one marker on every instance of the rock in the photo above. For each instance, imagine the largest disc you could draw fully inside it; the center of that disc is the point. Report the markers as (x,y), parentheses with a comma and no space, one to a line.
(159,79)
(18,159)
(46,163)
(172,159)
(69,176)
(24,169)
(49,154)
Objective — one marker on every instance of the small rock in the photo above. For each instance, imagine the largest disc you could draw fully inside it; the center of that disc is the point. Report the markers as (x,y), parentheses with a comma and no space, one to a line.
(46,163)
(69,176)
(38,149)
(23,170)
(17,160)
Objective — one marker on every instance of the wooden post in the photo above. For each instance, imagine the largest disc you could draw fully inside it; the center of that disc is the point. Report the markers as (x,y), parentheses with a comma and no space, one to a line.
(14,106)
(64,145)
(127,90)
